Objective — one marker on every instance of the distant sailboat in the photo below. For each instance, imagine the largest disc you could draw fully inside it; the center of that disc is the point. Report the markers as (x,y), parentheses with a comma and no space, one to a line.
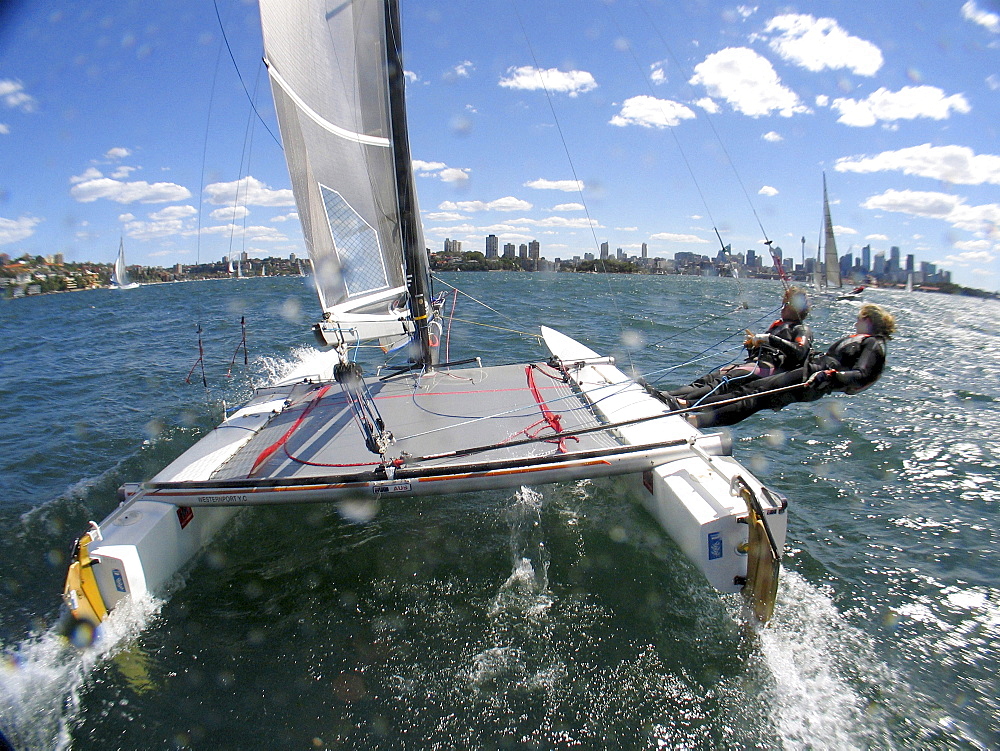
(119,276)
(830,279)
(831,261)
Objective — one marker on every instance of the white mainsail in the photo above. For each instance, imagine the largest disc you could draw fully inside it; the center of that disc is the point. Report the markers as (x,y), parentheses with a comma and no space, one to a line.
(331,66)
(831,259)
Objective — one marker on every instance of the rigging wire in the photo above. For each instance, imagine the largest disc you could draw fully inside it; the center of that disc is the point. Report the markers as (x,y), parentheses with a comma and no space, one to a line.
(232,57)
(572,166)
(708,118)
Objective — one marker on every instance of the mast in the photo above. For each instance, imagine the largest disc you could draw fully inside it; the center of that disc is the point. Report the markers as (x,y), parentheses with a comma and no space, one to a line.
(418,280)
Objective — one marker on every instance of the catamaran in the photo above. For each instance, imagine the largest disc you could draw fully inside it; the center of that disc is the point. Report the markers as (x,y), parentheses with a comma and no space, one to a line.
(429,426)
(119,275)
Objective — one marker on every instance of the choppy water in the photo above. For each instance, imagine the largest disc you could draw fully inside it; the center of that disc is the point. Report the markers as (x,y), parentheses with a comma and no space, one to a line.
(550,617)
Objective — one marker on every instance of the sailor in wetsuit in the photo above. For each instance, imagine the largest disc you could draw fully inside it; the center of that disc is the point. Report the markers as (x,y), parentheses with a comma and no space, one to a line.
(783,347)
(851,364)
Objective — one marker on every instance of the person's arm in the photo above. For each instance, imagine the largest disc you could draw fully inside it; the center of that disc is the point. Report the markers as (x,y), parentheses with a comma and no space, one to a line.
(794,349)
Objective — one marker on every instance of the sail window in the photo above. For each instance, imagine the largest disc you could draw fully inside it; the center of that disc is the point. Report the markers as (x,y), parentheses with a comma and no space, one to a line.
(357,244)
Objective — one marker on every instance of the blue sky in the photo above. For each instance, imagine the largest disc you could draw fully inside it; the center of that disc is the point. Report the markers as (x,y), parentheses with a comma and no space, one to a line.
(658,122)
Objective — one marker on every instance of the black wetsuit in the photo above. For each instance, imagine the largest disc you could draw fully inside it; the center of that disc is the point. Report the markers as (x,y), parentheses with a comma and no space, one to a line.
(858,361)
(787,346)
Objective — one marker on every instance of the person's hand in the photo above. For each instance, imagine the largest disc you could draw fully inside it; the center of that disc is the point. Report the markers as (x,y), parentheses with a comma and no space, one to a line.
(821,376)
(752,340)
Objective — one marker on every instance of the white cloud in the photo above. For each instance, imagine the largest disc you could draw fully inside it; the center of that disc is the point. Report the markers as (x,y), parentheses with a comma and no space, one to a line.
(528,78)
(989,21)
(507,203)
(4,129)
(463,69)
(943,206)
(443,216)
(13,95)
(909,103)
(674,237)
(14,230)
(969,258)
(567,186)
(772,137)
(650,112)
(820,43)
(140,191)
(441,171)
(658,72)
(958,165)
(173,212)
(291,216)
(249,191)
(117,152)
(568,207)
(747,82)
(230,213)
(91,173)
(767,190)
(411,77)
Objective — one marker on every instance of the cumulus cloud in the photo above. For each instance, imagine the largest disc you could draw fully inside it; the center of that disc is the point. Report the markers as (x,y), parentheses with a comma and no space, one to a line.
(934,205)
(568,207)
(747,81)
(91,173)
(13,95)
(567,186)
(529,78)
(989,21)
(139,191)
(230,213)
(117,152)
(772,137)
(463,69)
(767,190)
(250,191)
(441,171)
(14,230)
(173,212)
(507,203)
(675,238)
(650,112)
(820,43)
(909,103)
(958,165)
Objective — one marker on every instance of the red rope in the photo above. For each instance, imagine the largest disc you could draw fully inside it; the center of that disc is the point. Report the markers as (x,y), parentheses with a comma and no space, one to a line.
(269,451)
(550,418)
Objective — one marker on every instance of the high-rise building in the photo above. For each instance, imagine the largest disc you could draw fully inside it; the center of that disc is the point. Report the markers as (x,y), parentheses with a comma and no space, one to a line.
(492,246)
(866,258)
(534,249)
(878,265)
(909,262)
(645,251)
(522,250)
(604,249)
(620,254)
(509,251)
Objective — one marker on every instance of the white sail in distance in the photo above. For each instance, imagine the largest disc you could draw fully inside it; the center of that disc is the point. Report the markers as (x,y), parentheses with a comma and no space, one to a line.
(831,259)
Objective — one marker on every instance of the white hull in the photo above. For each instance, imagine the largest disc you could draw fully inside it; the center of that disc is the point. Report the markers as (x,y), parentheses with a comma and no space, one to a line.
(683,477)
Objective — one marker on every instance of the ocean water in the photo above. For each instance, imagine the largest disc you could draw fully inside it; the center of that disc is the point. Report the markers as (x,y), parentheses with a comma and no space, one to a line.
(548,617)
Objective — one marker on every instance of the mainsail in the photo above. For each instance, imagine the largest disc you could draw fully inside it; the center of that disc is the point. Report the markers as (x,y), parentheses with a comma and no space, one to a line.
(831,259)
(344,135)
